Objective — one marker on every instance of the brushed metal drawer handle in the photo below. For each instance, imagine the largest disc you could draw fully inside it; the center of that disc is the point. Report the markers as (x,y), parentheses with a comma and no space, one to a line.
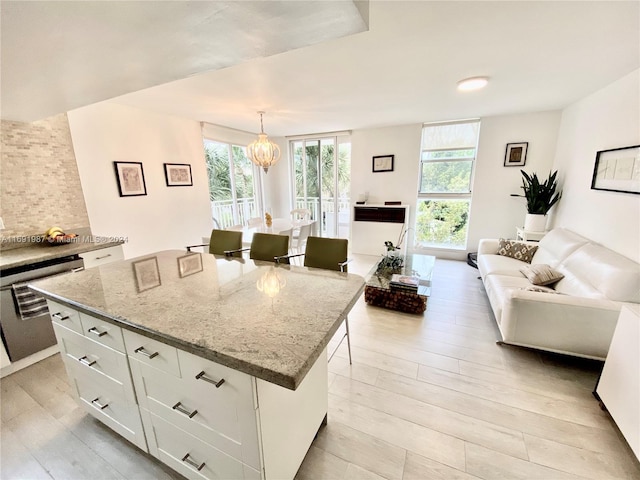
(142,351)
(85,361)
(103,256)
(178,407)
(58,316)
(196,465)
(201,376)
(95,331)
(98,404)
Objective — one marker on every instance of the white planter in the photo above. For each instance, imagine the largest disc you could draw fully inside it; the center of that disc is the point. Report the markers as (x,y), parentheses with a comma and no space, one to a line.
(535,222)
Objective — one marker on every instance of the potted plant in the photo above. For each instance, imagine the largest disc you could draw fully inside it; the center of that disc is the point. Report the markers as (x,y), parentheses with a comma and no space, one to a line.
(540,196)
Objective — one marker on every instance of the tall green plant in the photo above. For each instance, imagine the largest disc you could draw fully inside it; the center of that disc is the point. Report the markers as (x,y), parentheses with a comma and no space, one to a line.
(540,196)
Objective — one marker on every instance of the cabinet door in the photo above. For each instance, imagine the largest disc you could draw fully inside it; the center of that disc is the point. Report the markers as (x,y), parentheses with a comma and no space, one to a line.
(151,352)
(102,332)
(101,363)
(108,405)
(64,316)
(193,458)
(210,416)
(102,256)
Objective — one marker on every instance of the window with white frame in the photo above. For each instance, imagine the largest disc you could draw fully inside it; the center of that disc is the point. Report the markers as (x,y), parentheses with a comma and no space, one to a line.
(447,160)
(234,184)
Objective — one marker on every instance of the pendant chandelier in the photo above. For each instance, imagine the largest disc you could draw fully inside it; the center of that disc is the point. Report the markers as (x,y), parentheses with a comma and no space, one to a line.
(263,152)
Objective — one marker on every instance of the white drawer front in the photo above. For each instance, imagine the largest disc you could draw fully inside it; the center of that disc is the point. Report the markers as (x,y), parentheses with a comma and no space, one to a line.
(191,457)
(111,409)
(235,395)
(65,316)
(102,332)
(204,416)
(83,354)
(153,353)
(102,256)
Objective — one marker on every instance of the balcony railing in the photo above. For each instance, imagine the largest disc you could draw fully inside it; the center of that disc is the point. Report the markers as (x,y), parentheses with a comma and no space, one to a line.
(246,208)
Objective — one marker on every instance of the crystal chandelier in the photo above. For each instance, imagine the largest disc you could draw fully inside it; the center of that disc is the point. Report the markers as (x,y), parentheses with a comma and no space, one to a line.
(263,152)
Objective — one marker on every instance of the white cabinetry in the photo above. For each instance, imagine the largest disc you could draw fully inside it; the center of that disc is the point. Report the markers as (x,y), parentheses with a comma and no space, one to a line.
(208,421)
(619,384)
(102,256)
(204,420)
(199,416)
(93,354)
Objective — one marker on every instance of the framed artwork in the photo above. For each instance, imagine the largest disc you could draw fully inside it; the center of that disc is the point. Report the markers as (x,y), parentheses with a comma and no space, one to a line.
(130,178)
(189,264)
(178,174)
(146,273)
(516,154)
(383,163)
(617,170)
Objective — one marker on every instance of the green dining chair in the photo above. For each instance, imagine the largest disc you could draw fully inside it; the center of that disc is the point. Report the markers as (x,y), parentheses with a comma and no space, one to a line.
(328,254)
(222,241)
(268,246)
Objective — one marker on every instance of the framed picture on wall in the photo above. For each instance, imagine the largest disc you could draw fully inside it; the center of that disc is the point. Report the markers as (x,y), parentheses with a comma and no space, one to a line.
(383,163)
(178,174)
(516,154)
(617,170)
(130,178)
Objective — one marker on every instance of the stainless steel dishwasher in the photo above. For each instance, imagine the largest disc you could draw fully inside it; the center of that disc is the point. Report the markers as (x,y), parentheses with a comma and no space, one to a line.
(21,337)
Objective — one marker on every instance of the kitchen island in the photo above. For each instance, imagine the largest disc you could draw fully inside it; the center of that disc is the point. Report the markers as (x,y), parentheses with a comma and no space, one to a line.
(216,366)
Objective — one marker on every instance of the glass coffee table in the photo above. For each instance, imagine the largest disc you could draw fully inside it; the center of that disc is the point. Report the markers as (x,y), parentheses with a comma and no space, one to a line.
(379,293)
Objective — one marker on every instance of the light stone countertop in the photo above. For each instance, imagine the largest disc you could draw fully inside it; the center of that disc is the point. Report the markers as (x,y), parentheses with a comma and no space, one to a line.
(41,252)
(219,313)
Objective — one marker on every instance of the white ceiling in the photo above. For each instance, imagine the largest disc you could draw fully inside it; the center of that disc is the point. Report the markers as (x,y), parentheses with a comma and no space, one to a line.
(539,55)
(60,55)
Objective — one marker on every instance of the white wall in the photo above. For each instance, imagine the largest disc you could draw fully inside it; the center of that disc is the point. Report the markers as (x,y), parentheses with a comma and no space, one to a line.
(167,217)
(494,213)
(399,185)
(609,118)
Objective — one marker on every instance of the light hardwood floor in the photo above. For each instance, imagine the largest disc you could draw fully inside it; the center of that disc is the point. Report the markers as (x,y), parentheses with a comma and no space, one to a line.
(427,397)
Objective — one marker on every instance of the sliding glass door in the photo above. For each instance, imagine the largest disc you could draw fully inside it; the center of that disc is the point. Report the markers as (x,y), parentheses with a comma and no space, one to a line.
(321,182)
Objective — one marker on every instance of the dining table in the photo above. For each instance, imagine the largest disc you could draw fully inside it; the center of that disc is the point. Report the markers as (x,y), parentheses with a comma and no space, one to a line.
(278,226)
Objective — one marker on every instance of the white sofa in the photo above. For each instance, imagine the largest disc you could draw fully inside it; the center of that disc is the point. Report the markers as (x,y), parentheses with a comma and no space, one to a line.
(580,318)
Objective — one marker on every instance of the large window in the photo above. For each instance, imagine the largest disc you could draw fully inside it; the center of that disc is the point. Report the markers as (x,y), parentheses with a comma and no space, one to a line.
(444,195)
(234,188)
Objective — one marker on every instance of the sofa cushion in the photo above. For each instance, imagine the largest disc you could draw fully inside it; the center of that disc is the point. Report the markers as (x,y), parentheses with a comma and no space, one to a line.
(518,250)
(499,287)
(539,288)
(541,274)
(499,265)
(557,245)
(597,272)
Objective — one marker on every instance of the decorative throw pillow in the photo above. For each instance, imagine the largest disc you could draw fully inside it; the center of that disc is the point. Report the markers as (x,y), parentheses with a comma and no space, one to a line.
(538,288)
(517,250)
(541,274)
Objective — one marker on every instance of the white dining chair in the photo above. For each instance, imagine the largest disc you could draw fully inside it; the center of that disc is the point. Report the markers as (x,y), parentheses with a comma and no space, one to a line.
(305,231)
(300,214)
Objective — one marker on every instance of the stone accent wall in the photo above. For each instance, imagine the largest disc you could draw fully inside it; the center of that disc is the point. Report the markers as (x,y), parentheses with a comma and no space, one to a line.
(39,181)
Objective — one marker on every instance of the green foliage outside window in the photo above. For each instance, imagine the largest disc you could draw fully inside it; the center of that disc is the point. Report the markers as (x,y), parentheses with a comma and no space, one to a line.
(219,171)
(326,167)
(442,222)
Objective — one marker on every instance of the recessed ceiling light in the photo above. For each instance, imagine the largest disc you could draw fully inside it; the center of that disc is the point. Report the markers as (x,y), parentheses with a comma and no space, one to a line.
(473,83)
